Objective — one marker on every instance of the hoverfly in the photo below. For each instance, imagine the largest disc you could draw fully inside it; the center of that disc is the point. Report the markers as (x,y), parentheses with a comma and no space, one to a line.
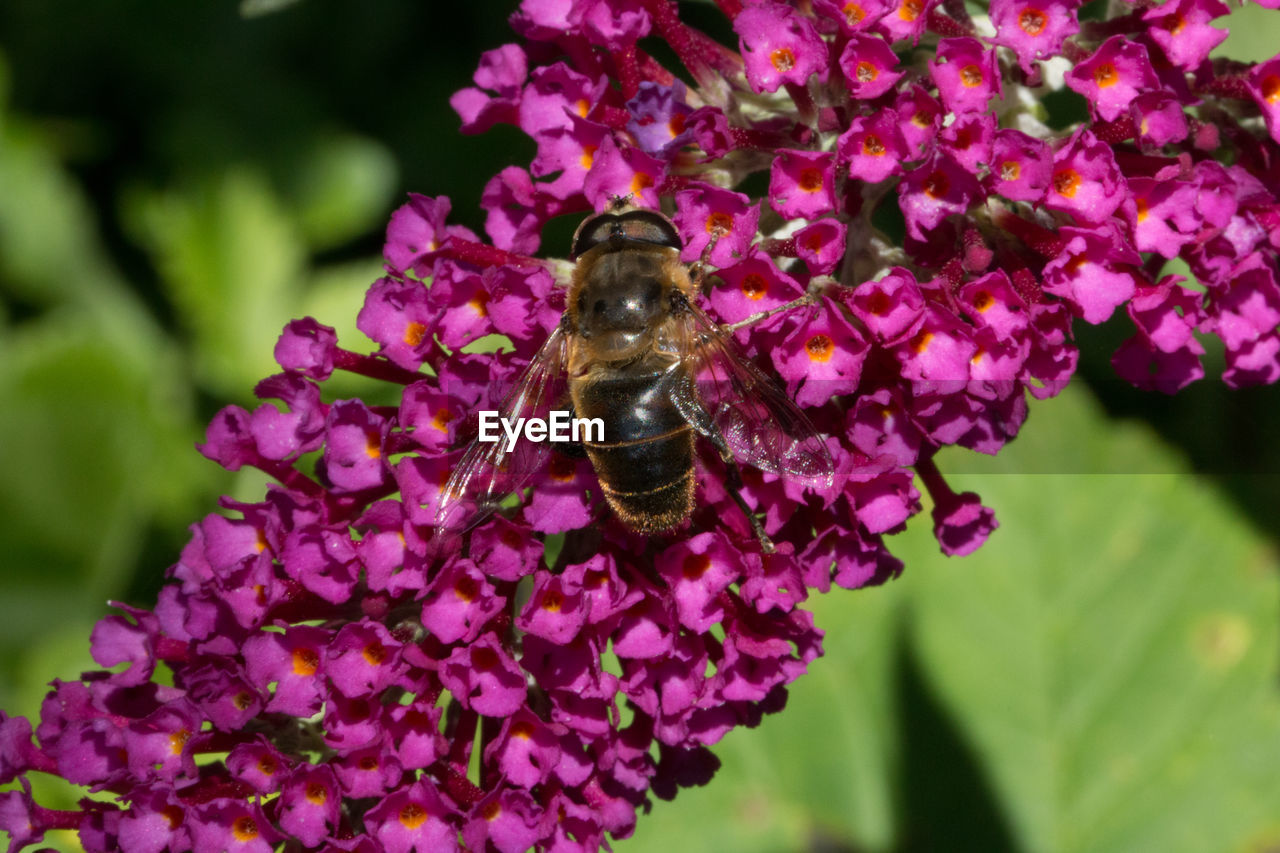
(634,350)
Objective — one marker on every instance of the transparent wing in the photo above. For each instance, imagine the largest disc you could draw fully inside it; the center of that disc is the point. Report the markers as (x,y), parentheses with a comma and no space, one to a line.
(489,471)
(760,424)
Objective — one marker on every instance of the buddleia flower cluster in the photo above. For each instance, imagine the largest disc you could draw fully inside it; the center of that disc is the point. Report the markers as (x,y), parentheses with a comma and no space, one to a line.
(325,667)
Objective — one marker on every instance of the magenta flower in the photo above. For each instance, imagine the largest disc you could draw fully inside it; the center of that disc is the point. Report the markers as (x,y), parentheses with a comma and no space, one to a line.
(331,668)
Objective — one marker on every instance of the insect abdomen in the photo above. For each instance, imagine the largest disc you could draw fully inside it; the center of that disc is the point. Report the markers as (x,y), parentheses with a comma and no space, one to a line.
(645,462)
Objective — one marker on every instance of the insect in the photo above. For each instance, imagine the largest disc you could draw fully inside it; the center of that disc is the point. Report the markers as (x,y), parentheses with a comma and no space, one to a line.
(634,350)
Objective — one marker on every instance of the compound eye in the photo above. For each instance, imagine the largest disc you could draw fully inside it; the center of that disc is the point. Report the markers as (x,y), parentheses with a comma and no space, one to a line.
(592,232)
(648,226)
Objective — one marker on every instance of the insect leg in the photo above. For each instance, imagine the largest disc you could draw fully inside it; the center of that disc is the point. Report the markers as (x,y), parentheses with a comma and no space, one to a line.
(733,482)
(730,328)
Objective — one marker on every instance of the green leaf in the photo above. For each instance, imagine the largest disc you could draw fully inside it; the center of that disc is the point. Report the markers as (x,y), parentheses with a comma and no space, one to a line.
(343,189)
(231,261)
(96,445)
(1097,677)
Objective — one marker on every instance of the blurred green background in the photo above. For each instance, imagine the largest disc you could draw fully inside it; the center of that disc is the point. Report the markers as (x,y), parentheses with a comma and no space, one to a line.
(177,181)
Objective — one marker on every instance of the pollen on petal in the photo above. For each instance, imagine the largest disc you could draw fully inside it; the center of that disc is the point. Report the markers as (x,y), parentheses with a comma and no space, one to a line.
(1032,21)
(413,816)
(753,286)
(1174,23)
(244,829)
(1066,182)
(719,223)
(971,76)
(374,653)
(853,13)
(783,59)
(820,348)
(810,180)
(305,661)
(414,333)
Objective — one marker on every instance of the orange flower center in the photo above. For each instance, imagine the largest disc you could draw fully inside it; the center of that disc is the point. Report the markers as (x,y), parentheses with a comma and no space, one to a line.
(1032,21)
(552,601)
(466,589)
(872,145)
(719,224)
(810,180)
(588,156)
(936,185)
(910,10)
(414,333)
(820,348)
(1271,89)
(244,829)
(753,286)
(1010,170)
(1066,182)
(865,72)
(853,13)
(971,76)
(305,661)
(921,341)
(783,59)
(562,468)
(695,566)
(374,653)
(1105,75)
(982,301)
(641,181)
(413,816)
